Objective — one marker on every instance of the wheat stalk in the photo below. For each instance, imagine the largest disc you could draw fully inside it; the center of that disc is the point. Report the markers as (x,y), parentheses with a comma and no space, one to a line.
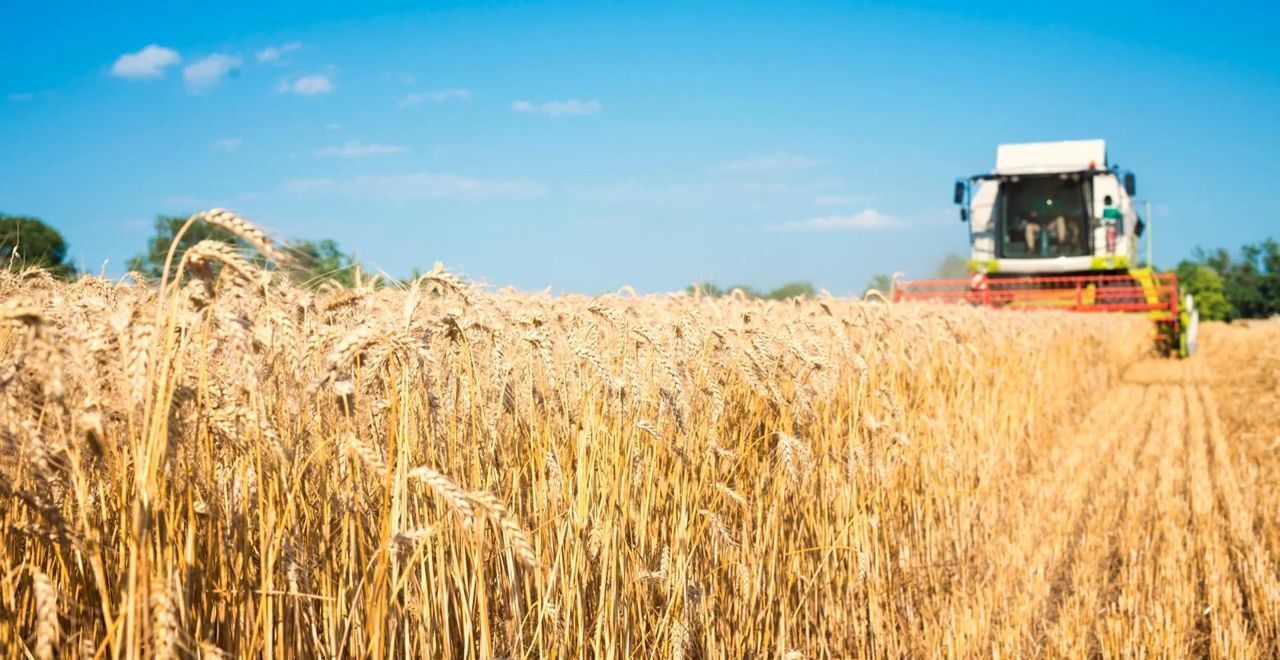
(519,540)
(246,231)
(870,480)
(445,489)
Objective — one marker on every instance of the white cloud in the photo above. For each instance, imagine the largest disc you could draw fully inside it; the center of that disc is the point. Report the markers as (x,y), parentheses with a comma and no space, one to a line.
(273,53)
(436,96)
(557,108)
(205,74)
(333,126)
(19,97)
(150,62)
(864,219)
(312,85)
(779,162)
(417,186)
(227,144)
(358,149)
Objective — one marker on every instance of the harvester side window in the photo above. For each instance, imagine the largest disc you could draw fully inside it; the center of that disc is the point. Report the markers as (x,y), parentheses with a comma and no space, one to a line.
(1042,217)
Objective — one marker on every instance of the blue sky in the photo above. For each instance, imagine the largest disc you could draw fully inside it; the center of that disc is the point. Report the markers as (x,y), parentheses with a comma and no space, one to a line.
(587,146)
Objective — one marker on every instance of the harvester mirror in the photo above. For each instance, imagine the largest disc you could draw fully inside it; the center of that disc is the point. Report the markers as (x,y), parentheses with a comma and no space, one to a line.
(1130,184)
(959,195)
(964,215)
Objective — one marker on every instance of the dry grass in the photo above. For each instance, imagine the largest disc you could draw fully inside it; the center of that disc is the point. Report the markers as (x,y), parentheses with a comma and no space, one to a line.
(236,466)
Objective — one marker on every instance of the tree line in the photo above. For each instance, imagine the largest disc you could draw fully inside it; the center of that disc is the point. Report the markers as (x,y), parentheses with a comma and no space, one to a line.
(1226,287)
(28,242)
(785,292)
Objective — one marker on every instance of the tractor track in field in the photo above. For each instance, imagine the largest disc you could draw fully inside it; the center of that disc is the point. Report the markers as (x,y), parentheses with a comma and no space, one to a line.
(1224,520)
(1062,572)
(1148,533)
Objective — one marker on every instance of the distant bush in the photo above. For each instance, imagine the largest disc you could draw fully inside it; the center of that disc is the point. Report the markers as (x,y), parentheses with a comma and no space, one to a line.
(27,242)
(785,292)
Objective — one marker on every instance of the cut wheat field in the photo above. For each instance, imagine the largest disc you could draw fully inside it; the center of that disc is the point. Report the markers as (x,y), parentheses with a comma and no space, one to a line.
(225,464)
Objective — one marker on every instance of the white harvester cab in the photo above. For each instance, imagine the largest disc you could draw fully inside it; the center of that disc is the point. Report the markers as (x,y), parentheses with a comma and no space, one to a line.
(1050,208)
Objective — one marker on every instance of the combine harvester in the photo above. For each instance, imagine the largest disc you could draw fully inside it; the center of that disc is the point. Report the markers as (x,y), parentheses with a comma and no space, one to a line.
(1054,227)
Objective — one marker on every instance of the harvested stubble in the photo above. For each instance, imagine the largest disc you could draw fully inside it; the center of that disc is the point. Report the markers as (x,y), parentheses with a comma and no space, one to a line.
(233,467)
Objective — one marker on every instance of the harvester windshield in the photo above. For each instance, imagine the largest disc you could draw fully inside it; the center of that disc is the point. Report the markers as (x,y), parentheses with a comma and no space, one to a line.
(1043,216)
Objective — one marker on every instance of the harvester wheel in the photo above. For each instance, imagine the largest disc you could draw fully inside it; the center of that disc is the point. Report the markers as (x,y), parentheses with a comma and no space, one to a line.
(1169,342)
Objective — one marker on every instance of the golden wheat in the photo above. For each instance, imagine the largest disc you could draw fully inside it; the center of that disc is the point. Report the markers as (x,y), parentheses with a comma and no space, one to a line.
(236,466)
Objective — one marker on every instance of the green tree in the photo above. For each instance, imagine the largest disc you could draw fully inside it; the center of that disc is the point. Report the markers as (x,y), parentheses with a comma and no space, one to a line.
(705,289)
(785,292)
(1269,256)
(27,242)
(313,261)
(151,262)
(1205,284)
(1251,281)
(952,266)
(880,282)
(716,291)
(320,261)
(791,290)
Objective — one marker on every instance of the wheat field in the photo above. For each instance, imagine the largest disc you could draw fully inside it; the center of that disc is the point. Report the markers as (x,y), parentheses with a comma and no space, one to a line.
(225,464)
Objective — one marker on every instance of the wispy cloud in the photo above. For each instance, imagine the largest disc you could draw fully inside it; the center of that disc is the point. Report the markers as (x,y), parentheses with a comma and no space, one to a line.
(273,53)
(310,85)
(19,97)
(862,220)
(150,62)
(435,96)
(416,186)
(227,144)
(774,164)
(557,108)
(333,126)
(205,74)
(358,149)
